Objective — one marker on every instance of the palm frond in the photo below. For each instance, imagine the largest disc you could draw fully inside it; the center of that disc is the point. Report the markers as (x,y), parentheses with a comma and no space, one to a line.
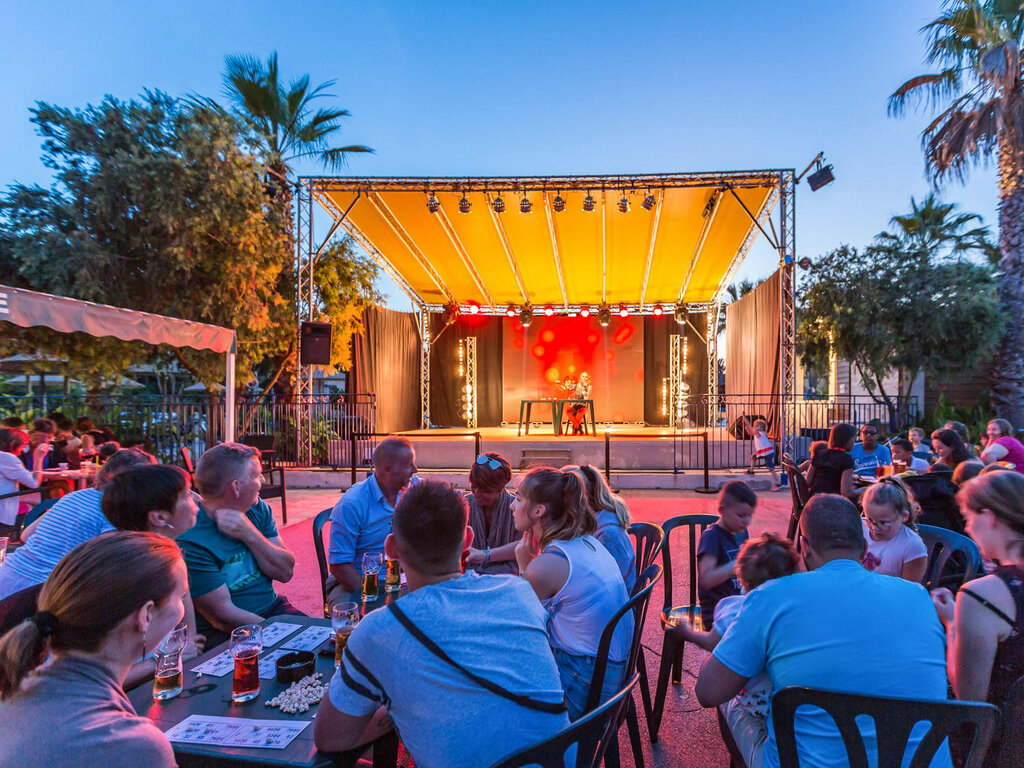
(336,158)
(927,89)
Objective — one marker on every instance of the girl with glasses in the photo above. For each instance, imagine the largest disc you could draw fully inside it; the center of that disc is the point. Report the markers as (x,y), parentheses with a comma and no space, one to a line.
(895,548)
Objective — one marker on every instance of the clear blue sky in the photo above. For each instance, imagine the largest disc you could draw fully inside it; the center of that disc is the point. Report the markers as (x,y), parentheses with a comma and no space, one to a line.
(487,88)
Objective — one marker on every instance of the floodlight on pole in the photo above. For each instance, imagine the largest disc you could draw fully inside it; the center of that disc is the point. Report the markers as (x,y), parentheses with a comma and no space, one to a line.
(822,175)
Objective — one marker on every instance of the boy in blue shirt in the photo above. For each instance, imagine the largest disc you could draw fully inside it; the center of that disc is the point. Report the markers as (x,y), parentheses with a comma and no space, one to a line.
(719,545)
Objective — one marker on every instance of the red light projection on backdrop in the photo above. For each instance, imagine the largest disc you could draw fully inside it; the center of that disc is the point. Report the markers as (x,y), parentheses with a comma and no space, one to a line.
(535,359)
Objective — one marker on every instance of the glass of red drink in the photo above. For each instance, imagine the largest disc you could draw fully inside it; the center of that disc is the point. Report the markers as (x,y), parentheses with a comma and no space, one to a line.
(246,645)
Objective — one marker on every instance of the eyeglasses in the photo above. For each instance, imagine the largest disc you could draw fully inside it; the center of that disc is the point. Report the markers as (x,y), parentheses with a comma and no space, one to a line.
(488,461)
(883,525)
(869,432)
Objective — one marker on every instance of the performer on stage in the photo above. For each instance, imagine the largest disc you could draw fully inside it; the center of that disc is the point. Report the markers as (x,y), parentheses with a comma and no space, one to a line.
(578,411)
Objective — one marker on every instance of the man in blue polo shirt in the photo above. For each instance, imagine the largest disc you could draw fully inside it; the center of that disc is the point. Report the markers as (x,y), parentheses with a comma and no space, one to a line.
(868,455)
(837,627)
(361,520)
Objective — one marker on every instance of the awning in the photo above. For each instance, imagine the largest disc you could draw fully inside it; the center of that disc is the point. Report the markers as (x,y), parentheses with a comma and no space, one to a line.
(679,238)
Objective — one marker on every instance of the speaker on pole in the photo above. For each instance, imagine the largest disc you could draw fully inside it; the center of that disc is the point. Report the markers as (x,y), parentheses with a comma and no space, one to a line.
(315,344)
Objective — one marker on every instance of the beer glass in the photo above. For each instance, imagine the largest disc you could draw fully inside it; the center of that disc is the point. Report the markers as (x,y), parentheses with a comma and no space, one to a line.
(394,577)
(344,617)
(167,682)
(372,561)
(246,644)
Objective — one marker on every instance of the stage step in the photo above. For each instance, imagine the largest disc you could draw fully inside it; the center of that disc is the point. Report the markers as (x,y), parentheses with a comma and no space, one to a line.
(544,457)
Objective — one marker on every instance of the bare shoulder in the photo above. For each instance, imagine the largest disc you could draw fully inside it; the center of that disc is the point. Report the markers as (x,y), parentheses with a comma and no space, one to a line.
(993,590)
(547,574)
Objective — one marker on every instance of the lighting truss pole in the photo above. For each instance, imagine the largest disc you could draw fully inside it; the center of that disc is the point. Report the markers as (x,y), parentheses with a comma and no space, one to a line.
(304,257)
(424,323)
(787,293)
(712,352)
(470,390)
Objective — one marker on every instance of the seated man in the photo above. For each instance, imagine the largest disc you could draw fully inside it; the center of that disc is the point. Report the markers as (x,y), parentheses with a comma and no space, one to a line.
(43,431)
(493,626)
(903,452)
(233,552)
(837,627)
(868,455)
(361,519)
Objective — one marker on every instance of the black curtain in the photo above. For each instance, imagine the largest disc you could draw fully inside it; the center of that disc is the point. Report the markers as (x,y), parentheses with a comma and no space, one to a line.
(657,331)
(446,387)
(386,361)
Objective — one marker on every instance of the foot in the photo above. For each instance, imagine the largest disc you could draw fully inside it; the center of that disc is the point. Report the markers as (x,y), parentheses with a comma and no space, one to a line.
(750,471)
(776,487)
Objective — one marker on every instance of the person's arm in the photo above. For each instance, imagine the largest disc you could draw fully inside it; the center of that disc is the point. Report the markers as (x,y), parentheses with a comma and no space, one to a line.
(346,522)
(274,559)
(547,574)
(710,575)
(913,570)
(501,554)
(217,608)
(846,484)
(810,474)
(334,731)
(347,575)
(993,452)
(139,672)
(716,683)
(706,640)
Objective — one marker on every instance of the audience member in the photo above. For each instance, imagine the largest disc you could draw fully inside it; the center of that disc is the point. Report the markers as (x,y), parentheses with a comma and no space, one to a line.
(831,471)
(810,629)
(490,516)
(1002,445)
(903,452)
(895,548)
(233,552)
(73,519)
(65,437)
(769,557)
(612,520)
(13,474)
(816,447)
(968,470)
(868,455)
(986,629)
(96,617)
(43,432)
(922,450)
(961,429)
(576,579)
(950,449)
(719,545)
(17,424)
(361,520)
(492,626)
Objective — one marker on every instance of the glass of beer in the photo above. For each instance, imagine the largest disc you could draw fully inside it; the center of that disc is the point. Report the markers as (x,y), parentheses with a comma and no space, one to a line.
(167,681)
(344,617)
(246,644)
(372,562)
(394,577)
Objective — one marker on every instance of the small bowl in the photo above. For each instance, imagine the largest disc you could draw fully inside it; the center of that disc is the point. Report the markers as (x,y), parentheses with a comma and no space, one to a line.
(294,666)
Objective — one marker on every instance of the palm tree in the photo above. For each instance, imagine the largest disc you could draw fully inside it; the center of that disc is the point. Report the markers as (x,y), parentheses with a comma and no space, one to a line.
(975,46)
(934,229)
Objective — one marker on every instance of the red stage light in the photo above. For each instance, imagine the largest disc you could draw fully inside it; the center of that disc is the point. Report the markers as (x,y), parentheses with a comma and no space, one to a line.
(657,311)
(623,311)
(510,311)
(584,311)
(549,310)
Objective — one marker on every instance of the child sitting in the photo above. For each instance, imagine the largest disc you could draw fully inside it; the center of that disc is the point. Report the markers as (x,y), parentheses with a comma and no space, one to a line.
(763,448)
(894,546)
(816,447)
(769,557)
(719,545)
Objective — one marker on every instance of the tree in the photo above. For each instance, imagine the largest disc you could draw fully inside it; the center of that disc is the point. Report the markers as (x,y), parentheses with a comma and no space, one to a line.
(932,227)
(976,47)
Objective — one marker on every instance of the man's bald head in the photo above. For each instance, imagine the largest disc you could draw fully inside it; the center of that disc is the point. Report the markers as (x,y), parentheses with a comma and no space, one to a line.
(831,524)
(392,449)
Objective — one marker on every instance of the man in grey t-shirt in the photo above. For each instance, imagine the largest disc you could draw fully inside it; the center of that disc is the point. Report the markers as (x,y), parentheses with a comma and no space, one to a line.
(493,626)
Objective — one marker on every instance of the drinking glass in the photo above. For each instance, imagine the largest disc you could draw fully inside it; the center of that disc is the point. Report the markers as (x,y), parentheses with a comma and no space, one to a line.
(372,562)
(246,644)
(167,682)
(344,617)
(3,548)
(394,577)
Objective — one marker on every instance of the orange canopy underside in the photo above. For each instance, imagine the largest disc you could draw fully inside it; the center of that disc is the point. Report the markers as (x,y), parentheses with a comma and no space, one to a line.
(685,248)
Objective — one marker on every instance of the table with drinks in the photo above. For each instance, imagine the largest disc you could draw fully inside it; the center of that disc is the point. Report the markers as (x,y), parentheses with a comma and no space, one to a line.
(241,702)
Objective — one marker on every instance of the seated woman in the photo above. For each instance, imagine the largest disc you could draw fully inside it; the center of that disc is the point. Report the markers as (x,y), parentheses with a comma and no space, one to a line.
(986,627)
(576,579)
(106,603)
(1002,445)
(490,516)
(950,449)
(612,520)
(13,473)
(831,471)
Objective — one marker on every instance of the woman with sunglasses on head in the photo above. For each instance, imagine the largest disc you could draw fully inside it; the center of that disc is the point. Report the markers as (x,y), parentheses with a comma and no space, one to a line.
(490,516)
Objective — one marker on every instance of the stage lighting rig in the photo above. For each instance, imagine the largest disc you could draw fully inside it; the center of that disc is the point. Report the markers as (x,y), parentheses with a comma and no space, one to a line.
(558,204)
(623,310)
(510,310)
(464,205)
(680,314)
(648,202)
(588,203)
(804,263)
(624,204)
(584,311)
(432,205)
(498,205)
(604,315)
(822,175)
(526,316)
(525,206)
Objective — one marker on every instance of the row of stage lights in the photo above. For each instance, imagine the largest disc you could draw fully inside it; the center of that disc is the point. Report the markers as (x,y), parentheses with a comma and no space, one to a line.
(603,312)
(557,205)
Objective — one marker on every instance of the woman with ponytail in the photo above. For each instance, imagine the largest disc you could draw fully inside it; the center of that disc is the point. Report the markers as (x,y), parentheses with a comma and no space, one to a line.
(108,602)
(612,520)
(575,578)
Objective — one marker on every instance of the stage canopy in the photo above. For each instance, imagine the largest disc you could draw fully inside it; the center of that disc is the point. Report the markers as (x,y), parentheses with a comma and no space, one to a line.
(679,239)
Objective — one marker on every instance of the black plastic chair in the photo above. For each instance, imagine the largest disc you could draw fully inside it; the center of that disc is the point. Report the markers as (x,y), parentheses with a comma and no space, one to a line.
(952,559)
(648,539)
(15,608)
(1009,747)
(590,734)
(894,720)
(935,494)
(637,605)
(672,648)
(188,464)
(321,520)
(800,494)
(265,445)
(272,490)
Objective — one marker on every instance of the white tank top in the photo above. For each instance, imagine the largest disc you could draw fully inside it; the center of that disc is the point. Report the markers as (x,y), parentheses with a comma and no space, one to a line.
(594,591)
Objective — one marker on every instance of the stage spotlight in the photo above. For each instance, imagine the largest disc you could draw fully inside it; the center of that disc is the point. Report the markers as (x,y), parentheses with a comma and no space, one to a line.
(525,206)
(821,177)
(588,203)
(526,316)
(623,311)
(584,311)
(604,315)
(464,205)
(805,263)
(432,205)
(558,204)
(680,313)
(450,315)
(473,308)
(510,310)
(657,311)
(498,205)
(648,202)
(549,310)
(624,204)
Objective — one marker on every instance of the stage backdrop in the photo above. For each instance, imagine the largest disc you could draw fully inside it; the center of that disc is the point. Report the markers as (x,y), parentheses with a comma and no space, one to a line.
(386,360)
(447,388)
(534,358)
(752,327)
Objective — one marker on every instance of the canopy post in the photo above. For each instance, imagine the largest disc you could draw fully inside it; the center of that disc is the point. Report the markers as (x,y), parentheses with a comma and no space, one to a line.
(787,291)
(229,395)
(424,368)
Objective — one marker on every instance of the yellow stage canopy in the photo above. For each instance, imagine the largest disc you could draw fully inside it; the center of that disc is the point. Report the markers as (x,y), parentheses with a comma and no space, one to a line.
(679,239)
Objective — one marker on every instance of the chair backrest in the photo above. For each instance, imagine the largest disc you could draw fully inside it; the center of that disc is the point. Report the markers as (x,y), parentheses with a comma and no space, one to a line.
(1011,741)
(637,605)
(794,476)
(952,559)
(590,734)
(894,719)
(264,444)
(647,541)
(38,511)
(186,459)
(15,608)
(935,494)
(321,520)
(694,526)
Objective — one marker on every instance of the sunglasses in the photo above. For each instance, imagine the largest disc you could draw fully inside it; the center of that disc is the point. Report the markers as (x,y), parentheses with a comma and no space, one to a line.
(488,461)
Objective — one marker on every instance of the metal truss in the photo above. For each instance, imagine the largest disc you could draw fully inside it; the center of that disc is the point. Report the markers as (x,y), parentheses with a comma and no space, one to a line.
(467,350)
(424,324)
(574,309)
(678,389)
(712,354)
(787,293)
(304,258)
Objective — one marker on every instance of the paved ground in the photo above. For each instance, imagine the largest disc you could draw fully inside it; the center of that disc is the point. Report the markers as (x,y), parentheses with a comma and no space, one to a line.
(689,734)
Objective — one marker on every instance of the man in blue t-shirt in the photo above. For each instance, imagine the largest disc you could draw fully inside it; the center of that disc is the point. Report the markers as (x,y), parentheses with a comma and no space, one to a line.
(492,625)
(837,627)
(868,455)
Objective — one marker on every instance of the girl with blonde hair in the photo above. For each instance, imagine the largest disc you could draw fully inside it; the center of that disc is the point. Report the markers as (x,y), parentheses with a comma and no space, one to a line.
(612,520)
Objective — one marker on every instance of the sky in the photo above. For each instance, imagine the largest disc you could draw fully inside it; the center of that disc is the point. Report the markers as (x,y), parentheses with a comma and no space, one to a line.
(450,88)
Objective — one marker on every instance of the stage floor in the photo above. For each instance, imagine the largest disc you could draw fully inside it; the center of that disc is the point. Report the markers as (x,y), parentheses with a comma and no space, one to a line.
(544,430)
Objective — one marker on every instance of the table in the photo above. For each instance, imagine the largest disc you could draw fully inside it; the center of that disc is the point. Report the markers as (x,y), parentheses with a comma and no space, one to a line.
(557,408)
(80,478)
(209,695)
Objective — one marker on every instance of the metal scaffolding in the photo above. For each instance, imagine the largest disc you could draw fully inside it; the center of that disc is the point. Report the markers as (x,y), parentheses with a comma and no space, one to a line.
(787,293)
(303,202)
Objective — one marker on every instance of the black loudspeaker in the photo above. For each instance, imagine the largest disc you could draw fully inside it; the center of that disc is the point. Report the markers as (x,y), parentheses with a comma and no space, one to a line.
(315,344)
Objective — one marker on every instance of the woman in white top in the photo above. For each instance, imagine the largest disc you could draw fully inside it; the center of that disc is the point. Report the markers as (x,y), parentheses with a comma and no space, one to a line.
(576,579)
(895,548)
(13,472)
